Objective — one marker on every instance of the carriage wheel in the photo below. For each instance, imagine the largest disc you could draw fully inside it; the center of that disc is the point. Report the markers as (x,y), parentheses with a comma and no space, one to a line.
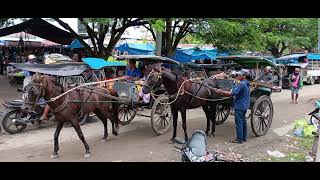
(261,115)
(161,116)
(222,113)
(126,114)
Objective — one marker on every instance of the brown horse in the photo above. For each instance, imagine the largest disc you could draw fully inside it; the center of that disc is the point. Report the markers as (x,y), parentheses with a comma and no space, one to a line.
(187,98)
(65,109)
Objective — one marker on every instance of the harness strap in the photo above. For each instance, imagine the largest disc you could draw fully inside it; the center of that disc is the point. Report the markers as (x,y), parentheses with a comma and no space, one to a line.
(195,94)
(63,106)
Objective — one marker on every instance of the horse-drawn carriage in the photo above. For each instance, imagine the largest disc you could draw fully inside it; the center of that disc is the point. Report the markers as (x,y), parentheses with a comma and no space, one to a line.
(261,107)
(160,115)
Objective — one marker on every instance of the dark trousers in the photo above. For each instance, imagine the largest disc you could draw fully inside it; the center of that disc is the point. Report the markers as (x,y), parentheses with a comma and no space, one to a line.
(1,68)
(241,124)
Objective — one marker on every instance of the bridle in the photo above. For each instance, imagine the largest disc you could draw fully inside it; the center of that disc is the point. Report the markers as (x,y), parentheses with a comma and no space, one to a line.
(39,89)
(155,78)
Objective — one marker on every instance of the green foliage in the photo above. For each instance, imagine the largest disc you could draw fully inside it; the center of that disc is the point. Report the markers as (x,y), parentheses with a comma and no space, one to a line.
(261,34)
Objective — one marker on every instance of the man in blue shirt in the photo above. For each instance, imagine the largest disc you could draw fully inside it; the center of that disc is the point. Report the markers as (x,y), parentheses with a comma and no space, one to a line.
(132,71)
(241,94)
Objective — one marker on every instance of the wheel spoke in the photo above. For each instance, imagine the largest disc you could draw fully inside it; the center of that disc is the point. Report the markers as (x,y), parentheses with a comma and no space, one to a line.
(130,113)
(10,125)
(121,115)
(224,114)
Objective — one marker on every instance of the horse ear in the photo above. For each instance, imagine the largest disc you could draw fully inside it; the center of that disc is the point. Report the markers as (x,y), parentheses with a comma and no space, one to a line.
(44,80)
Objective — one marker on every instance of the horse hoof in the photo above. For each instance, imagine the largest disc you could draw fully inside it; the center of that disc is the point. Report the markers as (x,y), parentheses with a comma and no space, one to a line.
(213,135)
(87,155)
(54,156)
(115,133)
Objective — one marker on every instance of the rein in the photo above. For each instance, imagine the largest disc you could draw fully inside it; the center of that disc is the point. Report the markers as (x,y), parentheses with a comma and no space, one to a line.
(180,89)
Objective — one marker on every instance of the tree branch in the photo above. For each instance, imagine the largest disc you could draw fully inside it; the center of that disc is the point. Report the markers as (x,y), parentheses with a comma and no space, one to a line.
(74,34)
(91,33)
(151,30)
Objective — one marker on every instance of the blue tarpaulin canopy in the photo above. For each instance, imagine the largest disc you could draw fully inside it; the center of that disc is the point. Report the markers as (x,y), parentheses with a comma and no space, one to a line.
(137,48)
(189,54)
(98,63)
(314,56)
(2,43)
(75,44)
(290,59)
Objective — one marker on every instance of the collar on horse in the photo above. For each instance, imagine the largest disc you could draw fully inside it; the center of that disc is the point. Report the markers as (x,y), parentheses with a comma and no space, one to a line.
(63,106)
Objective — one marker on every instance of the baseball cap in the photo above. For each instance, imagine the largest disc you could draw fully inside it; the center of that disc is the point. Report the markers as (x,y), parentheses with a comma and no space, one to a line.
(243,72)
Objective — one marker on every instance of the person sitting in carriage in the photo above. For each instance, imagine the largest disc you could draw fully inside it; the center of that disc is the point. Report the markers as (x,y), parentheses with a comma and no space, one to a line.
(135,74)
(266,76)
(132,72)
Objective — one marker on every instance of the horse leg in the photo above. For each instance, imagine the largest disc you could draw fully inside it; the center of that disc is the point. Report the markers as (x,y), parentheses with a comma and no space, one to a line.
(56,137)
(175,122)
(184,123)
(76,126)
(206,111)
(105,124)
(213,111)
(115,127)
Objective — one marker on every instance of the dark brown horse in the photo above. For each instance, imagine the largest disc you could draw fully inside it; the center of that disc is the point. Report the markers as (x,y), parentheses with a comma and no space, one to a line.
(65,109)
(187,98)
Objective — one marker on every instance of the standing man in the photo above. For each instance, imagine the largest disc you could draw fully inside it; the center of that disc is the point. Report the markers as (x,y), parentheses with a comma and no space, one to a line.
(296,83)
(266,76)
(241,94)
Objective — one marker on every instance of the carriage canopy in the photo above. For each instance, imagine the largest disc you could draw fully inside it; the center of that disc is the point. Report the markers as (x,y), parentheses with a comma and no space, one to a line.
(248,61)
(67,69)
(99,63)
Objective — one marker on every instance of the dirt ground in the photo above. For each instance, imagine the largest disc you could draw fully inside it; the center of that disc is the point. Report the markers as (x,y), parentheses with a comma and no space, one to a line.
(137,141)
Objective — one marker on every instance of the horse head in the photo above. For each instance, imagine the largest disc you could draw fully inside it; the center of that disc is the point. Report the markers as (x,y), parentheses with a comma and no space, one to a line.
(39,87)
(153,79)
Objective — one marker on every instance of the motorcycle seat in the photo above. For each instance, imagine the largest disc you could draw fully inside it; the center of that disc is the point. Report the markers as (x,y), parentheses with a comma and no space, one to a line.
(198,143)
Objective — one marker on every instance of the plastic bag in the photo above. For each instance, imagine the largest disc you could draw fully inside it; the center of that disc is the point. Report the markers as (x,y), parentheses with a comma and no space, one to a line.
(298,132)
(307,130)
(300,123)
(318,104)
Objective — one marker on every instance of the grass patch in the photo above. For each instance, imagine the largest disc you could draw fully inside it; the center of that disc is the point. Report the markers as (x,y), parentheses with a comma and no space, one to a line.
(306,143)
(291,157)
(294,155)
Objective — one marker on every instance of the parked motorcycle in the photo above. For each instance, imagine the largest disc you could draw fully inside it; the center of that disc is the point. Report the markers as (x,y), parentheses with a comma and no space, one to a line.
(314,120)
(16,118)
(195,150)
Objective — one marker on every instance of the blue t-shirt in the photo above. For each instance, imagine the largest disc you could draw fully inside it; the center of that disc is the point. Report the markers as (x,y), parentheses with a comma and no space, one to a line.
(241,93)
(133,73)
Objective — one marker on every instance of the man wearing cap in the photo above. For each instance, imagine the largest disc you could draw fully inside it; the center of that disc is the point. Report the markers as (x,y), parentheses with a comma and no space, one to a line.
(266,76)
(31,60)
(241,94)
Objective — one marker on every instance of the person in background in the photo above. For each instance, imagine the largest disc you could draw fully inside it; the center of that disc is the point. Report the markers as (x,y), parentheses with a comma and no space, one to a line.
(31,60)
(266,76)
(241,94)
(132,72)
(296,83)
